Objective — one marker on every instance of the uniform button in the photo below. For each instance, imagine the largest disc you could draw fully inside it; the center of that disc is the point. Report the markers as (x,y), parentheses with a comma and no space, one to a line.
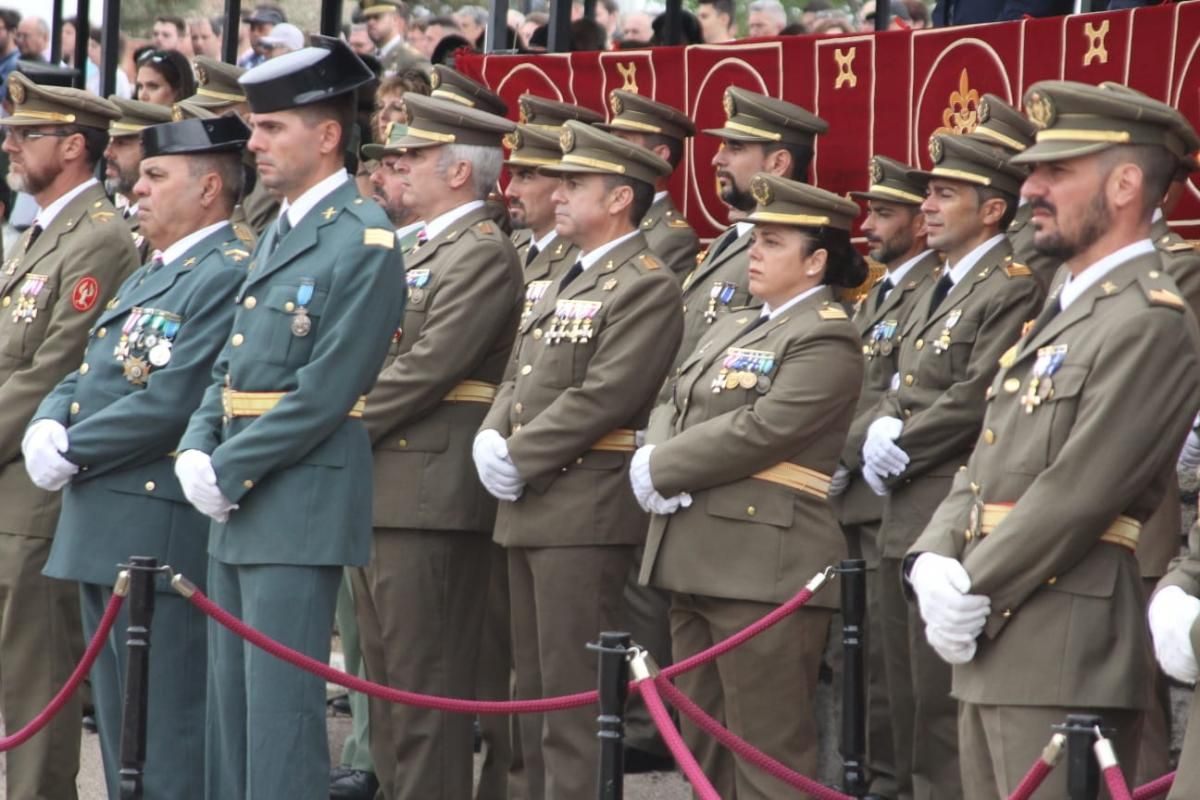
(237,340)
(83,369)
(920,344)
(289,306)
(402,443)
(100,334)
(751,511)
(1007,613)
(74,408)
(1154,273)
(579,460)
(525,370)
(1011,385)
(150,486)
(685,308)
(1052,581)
(224,419)
(907,413)
(909,380)
(248,484)
(866,350)
(518,407)
(537,333)
(6,302)
(968,535)
(989,436)
(249,302)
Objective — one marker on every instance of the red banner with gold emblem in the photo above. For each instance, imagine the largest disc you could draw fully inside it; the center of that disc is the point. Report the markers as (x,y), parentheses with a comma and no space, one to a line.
(881,93)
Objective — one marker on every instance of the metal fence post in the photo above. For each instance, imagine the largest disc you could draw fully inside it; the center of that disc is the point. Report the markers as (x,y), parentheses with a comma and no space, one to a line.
(137,676)
(614,689)
(1083,773)
(853,574)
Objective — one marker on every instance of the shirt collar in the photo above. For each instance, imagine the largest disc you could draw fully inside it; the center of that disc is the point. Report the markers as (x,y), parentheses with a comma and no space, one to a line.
(658,196)
(307,201)
(743,228)
(47,214)
(391,45)
(1076,285)
(544,242)
(959,271)
(896,275)
(191,240)
(588,259)
(772,313)
(403,233)
(443,221)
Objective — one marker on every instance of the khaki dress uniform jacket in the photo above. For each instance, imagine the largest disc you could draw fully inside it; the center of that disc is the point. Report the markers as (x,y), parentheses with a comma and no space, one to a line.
(1020,234)
(671,237)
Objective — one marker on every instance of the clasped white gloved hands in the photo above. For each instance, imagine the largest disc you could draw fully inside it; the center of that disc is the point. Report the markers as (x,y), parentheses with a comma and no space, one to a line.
(881,455)
(643,487)
(496,470)
(953,617)
(42,446)
(1189,457)
(196,476)
(1172,614)
(839,481)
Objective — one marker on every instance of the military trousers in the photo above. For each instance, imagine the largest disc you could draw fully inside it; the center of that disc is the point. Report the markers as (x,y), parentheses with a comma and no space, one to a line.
(177,684)
(266,736)
(648,610)
(764,691)
(501,740)
(562,598)
(41,641)
(419,604)
(356,751)
(924,715)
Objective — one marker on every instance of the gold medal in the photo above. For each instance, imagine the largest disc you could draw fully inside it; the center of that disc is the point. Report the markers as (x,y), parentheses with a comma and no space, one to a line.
(136,370)
(747,380)
(732,380)
(301,323)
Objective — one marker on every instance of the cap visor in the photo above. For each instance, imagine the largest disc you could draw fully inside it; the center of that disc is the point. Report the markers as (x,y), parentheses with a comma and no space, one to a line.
(575,169)
(1057,151)
(18,120)
(883,198)
(536,163)
(374,151)
(737,136)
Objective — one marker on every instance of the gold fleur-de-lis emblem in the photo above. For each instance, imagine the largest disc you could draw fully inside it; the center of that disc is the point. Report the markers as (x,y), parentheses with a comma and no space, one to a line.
(962,113)
(628,76)
(1097,51)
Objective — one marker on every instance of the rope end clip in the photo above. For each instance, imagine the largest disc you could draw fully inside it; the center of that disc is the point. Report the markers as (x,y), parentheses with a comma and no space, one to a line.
(121,587)
(183,585)
(642,665)
(820,579)
(1105,755)
(1053,751)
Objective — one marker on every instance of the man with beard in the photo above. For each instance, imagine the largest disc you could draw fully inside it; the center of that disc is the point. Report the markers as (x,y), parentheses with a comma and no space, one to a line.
(1026,577)
(52,288)
(531,206)
(132,404)
(124,154)
(387,21)
(895,230)
(923,428)
(386,185)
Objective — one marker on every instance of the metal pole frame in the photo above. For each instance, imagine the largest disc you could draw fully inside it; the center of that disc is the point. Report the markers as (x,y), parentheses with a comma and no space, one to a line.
(1083,771)
(110,47)
(613,653)
(83,27)
(331,17)
(559,40)
(853,575)
(135,708)
(233,26)
(496,38)
(56,21)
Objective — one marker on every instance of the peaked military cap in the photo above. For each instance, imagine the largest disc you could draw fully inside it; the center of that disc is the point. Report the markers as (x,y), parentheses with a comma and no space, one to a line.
(326,69)
(890,182)
(961,158)
(449,84)
(135,116)
(432,121)
(217,83)
(369,7)
(1075,119)
(786,202)
(588,150)
(396,131)
(546,113)
(637,114)
(532,147)
(44,74)
(34,104)
(226,134)
(1002,125)
(189,109)
(754,117)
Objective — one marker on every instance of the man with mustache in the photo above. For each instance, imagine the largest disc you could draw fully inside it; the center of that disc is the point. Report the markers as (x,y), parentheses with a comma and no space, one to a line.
(924,426)
(895,230)
(124,154)
(52,288)
(388,190)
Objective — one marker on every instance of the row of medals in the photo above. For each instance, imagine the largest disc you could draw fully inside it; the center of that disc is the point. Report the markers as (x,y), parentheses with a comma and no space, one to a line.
(145,343)
(26,308)
(573,321)
(745,368)
(1041,385)
(882,336)
(721,294)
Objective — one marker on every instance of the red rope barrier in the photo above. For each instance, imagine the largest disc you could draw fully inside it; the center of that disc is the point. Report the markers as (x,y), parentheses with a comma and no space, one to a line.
(742,748)
(64,694)
(1117,788)
(683,757)
(1040,769)
(1155,788)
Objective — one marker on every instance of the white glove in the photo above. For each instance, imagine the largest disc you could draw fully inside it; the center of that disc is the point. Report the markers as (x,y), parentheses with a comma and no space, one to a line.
(951,650)
(839,481)
(496,470)
(942,585)
(875,481)
(194,470)
(643,487)
(43,445)
(880,451)
(1189,457)
(1172,614)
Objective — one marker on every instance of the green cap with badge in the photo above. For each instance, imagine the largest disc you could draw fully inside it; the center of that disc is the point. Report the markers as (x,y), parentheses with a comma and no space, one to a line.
(433,121)
(754,117)
(449,84)
(890,182)
(217,84)
(546,113)
(136,116)
(532,147)
(960,158)
(637,114)
(1075,119)
(1001,125)
(34,104)
(589,151)
(396,131)
(782,201)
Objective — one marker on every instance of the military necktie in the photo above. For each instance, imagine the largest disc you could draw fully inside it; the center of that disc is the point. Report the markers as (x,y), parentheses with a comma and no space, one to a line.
(574,272)
(282,227)
(943,287)
(1043,319)
(759,321)
(885,286)
(724,241)
(34,233)
(531,254)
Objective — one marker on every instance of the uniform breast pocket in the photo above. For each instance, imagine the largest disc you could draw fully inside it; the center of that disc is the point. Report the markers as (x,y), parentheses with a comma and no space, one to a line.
(1048,410)
(962,344)
(292,322)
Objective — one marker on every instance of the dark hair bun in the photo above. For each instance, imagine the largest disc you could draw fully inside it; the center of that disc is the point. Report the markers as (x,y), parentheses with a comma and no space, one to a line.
(845,266)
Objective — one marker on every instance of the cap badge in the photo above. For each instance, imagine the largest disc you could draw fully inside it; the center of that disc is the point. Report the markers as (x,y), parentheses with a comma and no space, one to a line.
(761,191)
(936,150)
(1040,110)
(614,102)
(17,92)
(435,80)
(728,104)
(201,75)
(523,111)
(566,140)
(176,113)
(512,140)
(876,171)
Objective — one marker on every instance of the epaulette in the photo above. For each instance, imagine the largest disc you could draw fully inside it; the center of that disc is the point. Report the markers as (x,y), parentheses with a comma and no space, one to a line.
(1180,247)
(1164,297)
(486,227)
(678,222)
(102,216)
(379,237)
(1015,270)
(649,262)
(832,312)
(236,254)
(242,232)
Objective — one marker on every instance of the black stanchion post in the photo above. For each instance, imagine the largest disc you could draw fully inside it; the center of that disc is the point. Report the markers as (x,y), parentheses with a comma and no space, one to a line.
(853,574)
(1083,773)
(614,689)
(137,676)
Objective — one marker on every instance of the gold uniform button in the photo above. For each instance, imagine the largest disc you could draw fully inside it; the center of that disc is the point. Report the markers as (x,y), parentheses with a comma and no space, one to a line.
(1011,385)
(968,535)
(907,413)
(751,511)
(920,344)
(866,352)
(289,306)
(402,443)
(83,369)
(249,302)
(1154,273)
(74,408)
(989,436)
(909,380)
(518,407)
(1052,581)
(248,484)
(237,340)
(525,370)
(537,333)
(150,486)
(6,302)
(1007,613)
(100,334)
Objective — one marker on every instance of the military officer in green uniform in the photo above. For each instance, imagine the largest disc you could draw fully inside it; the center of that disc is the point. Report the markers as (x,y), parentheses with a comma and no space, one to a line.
(122,156)
(277,453)
(556,444)
(386,21)
(895,230)
(116,418)
(663,130)
(924,426)
(420,602)
(1026,577)
(52,287)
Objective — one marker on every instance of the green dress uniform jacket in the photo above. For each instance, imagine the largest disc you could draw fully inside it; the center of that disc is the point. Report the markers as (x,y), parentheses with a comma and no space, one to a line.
(1020,234)
(1185,574)
(879,328)
(941,387)
(564,396)
(671,237)
(300,471)
(1069,467)
(745,538)
(464,300)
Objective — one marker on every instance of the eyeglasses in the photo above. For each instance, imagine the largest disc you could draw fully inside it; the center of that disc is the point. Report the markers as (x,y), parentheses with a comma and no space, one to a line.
(21,136)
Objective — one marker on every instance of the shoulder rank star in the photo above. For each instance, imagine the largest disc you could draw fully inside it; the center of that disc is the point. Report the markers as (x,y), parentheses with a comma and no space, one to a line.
(328,213)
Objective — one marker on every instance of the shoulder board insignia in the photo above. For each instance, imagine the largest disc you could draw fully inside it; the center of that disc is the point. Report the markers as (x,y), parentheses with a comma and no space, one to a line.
(243,233)
(1015,270)
(1163,297)
(102,216)
(649,261)
(832,312)
(1009,358)
(236,254)
(379,237)
(648,223)
(678,223)
(485,228)
(1180,247)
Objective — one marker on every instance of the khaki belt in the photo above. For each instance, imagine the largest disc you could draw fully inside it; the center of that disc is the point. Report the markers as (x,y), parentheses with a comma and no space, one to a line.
(794,476)
(1124,531)
(471,392)
(622,440)
(255,404)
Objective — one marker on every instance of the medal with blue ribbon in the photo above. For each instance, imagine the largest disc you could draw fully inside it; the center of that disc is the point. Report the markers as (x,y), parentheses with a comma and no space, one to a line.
(301,322)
